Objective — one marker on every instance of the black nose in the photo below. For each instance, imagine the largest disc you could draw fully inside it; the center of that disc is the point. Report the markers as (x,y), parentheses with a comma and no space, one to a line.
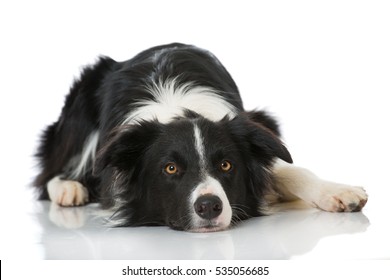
(208,206)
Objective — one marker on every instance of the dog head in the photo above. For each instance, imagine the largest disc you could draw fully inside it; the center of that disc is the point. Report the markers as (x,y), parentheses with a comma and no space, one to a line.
(190,174)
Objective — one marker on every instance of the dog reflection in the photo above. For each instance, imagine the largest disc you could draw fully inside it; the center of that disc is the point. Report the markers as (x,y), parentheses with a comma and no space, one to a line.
(77,233)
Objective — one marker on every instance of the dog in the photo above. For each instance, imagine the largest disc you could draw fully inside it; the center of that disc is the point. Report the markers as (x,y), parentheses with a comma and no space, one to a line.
(163,139)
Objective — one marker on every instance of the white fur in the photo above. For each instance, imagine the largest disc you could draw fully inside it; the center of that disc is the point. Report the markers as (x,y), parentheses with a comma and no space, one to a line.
(88,153)
(172,99)
(295,182)
(199,147)
(67,192)
(210,186)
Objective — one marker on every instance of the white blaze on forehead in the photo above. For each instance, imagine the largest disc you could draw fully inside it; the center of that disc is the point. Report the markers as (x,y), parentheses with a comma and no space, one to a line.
(199,147)
(170,99)
(209,186)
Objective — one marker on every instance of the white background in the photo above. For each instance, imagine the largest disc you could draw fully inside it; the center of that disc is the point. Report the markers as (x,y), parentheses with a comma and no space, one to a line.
(322,67)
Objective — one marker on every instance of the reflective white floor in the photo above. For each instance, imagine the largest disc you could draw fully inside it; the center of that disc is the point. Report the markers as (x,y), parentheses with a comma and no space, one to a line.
(46,231)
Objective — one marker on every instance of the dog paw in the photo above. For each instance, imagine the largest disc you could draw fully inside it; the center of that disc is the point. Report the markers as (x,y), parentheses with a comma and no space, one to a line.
(342,199)
(67,193)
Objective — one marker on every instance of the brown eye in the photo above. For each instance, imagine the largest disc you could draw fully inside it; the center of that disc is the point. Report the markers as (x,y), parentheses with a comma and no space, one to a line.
(226,166)
(170,168)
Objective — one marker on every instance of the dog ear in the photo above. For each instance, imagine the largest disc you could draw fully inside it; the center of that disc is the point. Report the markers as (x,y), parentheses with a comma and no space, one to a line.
(263,143)
(126,147)
(265,119)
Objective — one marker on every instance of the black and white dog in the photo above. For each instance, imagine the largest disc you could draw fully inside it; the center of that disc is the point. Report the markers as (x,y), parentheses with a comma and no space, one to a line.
(163,139)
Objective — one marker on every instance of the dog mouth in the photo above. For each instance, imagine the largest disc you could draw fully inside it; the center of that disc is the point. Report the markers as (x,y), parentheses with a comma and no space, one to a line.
(202,227)
(208,226)
(208,229)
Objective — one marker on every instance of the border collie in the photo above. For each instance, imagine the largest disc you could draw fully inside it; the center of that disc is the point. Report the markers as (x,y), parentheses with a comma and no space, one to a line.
(163,139)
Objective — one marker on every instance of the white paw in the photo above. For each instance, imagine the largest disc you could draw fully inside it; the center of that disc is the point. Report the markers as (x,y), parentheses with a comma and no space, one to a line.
(342,198)
(66,192)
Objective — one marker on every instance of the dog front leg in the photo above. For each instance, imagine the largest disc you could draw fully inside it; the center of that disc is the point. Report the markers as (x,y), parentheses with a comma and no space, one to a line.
(294,182)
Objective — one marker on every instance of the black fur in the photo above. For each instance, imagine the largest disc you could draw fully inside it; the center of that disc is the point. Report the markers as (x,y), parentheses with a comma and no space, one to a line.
(130,158)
